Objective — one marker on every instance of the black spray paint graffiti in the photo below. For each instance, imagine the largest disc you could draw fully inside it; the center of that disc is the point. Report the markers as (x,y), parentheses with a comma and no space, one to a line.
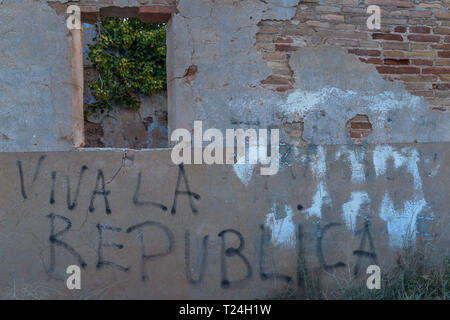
(72,205)
(319,248)
(100,189)
(365,231)
(36,173)
(101,244)
(103,192)
(55,241)
(144,203)
(302,270)
(230,252)
(265,238)
(193,277)
(188,192)
(226,253)
(145,257)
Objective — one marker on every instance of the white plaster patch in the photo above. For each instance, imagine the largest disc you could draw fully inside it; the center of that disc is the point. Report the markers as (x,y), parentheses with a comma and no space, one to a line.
(301,102)
(351,209)
(283,230)
(401,223)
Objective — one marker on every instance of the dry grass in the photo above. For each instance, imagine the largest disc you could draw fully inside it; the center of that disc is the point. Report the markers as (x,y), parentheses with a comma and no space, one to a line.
(415,276)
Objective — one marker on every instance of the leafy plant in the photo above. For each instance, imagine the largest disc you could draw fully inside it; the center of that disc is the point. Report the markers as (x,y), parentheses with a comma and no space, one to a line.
(130,57)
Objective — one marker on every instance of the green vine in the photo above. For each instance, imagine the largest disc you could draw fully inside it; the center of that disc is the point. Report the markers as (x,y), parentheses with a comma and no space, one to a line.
(130,57)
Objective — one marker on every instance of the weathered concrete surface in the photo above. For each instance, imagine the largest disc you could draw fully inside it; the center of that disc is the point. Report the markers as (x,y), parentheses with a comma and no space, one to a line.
(35,78)
(329,192)
(330,86)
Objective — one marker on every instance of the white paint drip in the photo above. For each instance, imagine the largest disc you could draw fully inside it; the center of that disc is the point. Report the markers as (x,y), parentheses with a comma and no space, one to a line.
(244,172)
(321,197)
(283,230)
(401,223)
(351,209)
(382,154)
(243,169)
(356,164)
(435,171)
(319,164)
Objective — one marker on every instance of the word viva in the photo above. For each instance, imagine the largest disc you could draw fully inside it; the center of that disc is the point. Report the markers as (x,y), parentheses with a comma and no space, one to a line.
(258,147)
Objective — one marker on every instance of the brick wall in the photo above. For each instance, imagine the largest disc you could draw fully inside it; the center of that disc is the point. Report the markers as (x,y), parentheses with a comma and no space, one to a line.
(412,46)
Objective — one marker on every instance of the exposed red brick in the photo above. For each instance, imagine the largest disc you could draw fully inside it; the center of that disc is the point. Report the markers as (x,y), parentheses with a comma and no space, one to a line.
(119,12)
(387,36)
(441,46)
(419,29)
(359,127)
(284,88)
(400,29)
(156,14)
(412,46)
(421,38)
(444,54)
(276,80)
(372,60)
(391,3)
(422,62)
(396,61)
(436,71)
(364,52)
(442,30)
(398,70)
(285,47)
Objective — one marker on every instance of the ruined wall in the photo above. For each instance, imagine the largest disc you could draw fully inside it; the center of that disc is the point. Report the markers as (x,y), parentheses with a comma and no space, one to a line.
(363,157)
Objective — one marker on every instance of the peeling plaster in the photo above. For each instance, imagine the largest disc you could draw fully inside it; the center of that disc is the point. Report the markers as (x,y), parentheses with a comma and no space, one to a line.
(355,157)
(319,171)
(352,208)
